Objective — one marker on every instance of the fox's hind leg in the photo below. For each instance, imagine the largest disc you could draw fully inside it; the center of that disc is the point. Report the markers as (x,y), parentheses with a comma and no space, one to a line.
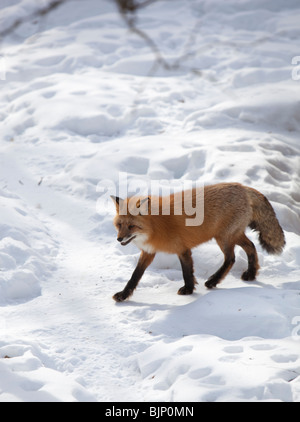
(187,266)
(229,259)
(250,250)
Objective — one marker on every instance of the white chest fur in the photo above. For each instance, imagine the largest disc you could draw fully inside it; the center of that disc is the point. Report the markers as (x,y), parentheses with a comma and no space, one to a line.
(141,242)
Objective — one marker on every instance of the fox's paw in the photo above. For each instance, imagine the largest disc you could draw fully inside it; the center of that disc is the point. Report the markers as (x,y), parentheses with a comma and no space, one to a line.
(211,282)
(120,296)
(248,275)
(185,290)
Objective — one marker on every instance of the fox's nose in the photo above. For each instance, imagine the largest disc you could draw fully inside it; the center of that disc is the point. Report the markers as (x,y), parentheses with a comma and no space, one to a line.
(119,239)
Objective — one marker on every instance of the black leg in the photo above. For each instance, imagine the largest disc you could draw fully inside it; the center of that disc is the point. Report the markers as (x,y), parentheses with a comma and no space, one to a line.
(250,273)
(186,261)
(253,264)
(229,259)
(144,261)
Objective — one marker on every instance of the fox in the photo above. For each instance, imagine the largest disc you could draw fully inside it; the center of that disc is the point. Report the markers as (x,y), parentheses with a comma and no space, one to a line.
(228,209)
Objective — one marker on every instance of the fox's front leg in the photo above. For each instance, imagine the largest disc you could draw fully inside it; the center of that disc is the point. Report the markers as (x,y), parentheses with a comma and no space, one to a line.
(187,266)
(144,261)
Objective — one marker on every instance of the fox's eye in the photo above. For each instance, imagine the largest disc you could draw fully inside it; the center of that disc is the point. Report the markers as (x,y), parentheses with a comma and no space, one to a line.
(131,226)
(119,225)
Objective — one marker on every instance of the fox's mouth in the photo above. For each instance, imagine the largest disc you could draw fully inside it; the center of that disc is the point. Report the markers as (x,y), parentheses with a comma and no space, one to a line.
(125,242)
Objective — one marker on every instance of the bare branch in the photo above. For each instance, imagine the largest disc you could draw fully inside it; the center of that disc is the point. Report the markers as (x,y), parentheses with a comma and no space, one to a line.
(126,6)
(41,12)
(128,10)
(159,57)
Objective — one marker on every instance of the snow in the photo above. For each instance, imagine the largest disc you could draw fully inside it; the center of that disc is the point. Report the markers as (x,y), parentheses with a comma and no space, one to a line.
(84,107)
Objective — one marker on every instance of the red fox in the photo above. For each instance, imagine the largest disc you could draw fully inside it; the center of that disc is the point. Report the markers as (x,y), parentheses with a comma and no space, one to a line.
(228,209)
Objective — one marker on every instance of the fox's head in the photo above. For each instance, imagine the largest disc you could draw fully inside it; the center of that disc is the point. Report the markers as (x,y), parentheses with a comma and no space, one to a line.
(129,220)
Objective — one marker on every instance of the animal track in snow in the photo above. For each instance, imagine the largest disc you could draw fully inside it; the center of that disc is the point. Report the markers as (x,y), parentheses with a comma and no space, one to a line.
(233,349)
(26,377)
(177,165)
(245,365)
(280,358)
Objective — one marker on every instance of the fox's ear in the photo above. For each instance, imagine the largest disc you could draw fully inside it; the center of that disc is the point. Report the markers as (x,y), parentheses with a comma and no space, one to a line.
(116,200)
(140,202)
(146,203)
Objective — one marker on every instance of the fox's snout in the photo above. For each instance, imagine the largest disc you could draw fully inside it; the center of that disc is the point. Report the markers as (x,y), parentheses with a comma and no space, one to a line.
(126,239)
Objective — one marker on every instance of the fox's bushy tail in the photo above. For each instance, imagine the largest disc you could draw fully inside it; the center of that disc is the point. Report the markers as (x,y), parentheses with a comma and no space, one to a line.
(264,220)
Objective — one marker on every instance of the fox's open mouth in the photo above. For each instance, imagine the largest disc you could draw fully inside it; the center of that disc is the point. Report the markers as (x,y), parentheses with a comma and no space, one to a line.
(125,242)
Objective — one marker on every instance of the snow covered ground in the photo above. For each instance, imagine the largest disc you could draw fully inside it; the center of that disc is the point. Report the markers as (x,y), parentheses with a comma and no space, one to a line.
(83,99)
